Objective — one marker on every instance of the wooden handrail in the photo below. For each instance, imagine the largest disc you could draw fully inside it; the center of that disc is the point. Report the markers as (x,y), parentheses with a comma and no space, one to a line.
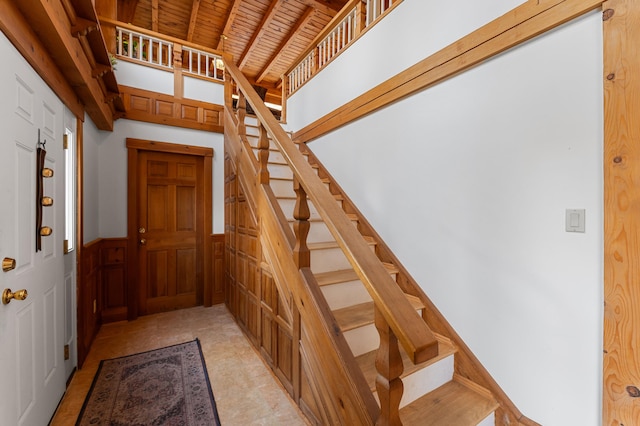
(414,335)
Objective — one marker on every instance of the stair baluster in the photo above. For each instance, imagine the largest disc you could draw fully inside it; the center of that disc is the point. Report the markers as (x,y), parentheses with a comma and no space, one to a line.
(301,213)
(242,113)
(389,366)
(263,155)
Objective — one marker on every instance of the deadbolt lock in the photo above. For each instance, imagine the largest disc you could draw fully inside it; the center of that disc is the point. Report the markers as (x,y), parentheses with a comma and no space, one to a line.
(141,230)
(8,264)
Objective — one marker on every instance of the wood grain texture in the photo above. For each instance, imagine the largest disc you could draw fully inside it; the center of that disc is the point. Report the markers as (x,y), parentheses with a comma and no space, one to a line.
(622,212)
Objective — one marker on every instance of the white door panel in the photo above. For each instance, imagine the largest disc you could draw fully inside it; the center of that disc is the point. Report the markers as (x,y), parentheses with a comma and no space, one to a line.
(32,330)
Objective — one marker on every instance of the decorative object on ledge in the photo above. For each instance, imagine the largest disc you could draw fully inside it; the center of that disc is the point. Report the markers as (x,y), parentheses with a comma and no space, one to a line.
(41,200)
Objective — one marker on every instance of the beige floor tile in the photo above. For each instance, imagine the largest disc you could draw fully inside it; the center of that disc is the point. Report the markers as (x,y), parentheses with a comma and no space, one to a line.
(245,390)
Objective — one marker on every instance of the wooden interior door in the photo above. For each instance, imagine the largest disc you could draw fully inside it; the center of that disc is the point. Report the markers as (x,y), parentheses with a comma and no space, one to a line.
(170,234)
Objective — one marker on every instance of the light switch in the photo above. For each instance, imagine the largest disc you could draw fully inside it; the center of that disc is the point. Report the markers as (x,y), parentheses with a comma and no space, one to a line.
(574,220)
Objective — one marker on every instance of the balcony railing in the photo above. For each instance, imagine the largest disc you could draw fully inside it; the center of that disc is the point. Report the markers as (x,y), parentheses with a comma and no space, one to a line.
(345,27)
(149,50)
(144,48)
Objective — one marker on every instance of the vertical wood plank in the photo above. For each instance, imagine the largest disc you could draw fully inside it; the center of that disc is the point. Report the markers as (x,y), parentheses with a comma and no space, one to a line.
(621,375)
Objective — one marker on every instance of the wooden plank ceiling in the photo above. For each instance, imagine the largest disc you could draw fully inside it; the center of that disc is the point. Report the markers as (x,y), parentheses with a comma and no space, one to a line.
(265,37)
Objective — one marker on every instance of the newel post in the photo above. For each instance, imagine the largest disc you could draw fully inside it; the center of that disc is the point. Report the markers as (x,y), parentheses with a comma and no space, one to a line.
(263,155)
(301,214)
(389,367)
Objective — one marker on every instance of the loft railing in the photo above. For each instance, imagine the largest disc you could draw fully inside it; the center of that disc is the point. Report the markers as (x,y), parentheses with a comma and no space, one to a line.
(346,26)
(148,48)
(143,48)
(395,319)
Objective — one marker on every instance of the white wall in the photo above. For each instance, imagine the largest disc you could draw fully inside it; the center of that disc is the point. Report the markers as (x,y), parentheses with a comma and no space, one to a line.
(91,186)
(143,77)
(411,32)
(112,170)
(468,183)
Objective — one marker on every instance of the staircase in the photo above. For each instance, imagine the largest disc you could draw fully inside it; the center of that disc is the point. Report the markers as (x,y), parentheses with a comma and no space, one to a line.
(433,393)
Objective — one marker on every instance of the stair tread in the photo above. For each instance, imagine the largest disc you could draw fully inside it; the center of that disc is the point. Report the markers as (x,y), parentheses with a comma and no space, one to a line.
(352,217)
(346,275)
(333,244)
(367,360)
(362,314)
(451,404)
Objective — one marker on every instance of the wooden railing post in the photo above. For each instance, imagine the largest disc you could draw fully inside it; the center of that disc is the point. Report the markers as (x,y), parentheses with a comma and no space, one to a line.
(389,367)
(361,18)
(263,155)
(301,213)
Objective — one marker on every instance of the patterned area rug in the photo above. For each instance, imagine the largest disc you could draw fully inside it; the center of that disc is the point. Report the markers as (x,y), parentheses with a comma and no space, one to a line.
(168,386)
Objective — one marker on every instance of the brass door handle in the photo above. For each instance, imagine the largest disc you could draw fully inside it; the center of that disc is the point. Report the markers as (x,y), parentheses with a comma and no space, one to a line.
(8,295)
(141,230)
(143,242)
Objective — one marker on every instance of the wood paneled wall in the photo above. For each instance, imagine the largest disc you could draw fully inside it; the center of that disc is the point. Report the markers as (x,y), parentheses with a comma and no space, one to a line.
(153,107)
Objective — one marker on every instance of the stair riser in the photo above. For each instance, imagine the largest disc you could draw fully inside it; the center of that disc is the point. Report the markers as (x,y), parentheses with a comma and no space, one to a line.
(318,233)
(362,340)
(282,171)
(284,187)
(253,138)
(345,294)
(274,157)
(329,259)
(426,379)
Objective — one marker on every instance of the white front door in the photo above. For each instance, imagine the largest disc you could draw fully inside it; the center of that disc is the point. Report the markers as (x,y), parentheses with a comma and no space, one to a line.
(32,330)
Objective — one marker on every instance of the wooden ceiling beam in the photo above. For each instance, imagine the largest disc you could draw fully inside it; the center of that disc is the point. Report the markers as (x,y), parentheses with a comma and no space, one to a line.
(233,12)
(127,10)
(154,16)
(50,22)
(195,6)
(17,29)
(304,19)
(329,7)
(262,28)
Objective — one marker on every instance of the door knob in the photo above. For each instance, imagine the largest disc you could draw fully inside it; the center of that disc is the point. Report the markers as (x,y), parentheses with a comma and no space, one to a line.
(8,264)
(8,295)
(143,241)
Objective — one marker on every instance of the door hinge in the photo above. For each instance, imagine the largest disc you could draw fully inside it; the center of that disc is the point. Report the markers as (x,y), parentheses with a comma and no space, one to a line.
(65,246)
(95,306)
(65,141)
(66,352)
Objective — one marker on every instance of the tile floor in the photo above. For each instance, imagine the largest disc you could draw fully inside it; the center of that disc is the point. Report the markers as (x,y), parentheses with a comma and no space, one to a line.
(245,390)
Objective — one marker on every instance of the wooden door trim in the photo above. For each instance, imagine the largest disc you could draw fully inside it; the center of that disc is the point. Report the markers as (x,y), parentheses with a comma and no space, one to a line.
(133,148)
